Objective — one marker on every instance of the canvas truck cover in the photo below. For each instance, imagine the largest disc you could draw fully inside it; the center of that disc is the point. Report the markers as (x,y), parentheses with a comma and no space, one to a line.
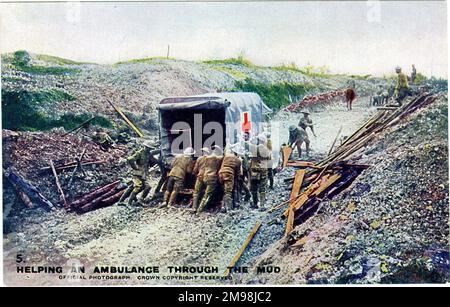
(237,106)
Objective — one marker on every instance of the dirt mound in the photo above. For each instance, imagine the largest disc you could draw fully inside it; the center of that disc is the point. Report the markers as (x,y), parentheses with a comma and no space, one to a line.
(30,153)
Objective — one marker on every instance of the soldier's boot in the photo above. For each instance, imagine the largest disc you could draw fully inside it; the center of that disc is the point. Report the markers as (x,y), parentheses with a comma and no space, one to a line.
(227,202)
(262,200)
(173,198)
(203,204)
(248,195)
(125,195)
(194,203)
(165,200)
(254,200)
(143,198)
(132,199)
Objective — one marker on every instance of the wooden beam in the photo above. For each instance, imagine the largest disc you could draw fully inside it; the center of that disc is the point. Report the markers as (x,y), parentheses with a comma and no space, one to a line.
(243,247)
(387,108)
(286,153)
(125,118)
(31,191)
(79,126)
(63,197)
(303,164)
(334,142)
(289,222)
(71,165)
(78,166)
(326,182)
(298,180)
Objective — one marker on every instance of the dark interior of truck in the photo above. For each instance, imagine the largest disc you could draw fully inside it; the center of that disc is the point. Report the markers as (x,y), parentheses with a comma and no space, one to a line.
(169,118)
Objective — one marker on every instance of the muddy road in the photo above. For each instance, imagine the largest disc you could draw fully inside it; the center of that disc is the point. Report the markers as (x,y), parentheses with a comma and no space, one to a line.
(148,236)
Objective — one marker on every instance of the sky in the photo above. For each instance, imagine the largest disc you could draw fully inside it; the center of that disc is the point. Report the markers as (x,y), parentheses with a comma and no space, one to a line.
(356,37)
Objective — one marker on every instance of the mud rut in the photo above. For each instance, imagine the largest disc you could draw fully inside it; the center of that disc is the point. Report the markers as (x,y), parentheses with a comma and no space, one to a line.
(170,237)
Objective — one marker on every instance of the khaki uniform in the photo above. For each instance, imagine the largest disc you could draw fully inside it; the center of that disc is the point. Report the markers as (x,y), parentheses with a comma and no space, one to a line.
(305,123)
(402,87)
(259,163)
(199,170)
(141,161)
(297,137)
(181,165)
(210,179)
(231,168)
(245,175)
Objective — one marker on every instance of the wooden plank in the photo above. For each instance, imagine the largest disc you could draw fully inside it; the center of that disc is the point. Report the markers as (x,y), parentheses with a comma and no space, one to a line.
(281,204)
(299,175)
(125,118)
(300,201)
(303,164)
(243,247)
(387,108)
(326,182)
(78,166)
(71,165)
(334,142)
(79,126)
(286,152)
(289,222)
(63,197)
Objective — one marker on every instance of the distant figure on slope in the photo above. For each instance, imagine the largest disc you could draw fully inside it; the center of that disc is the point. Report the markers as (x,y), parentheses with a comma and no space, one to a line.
(350,96)
(402,86)
(413,73)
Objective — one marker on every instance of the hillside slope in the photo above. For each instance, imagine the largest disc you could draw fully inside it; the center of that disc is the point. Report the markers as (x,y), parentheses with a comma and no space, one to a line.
(57,91)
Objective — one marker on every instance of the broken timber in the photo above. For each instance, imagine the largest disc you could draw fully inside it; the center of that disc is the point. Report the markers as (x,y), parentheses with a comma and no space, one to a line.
(28,189)
(79,126)
(334,142)
(243,247)
(78,166)
(71,165)
(125,118)
(286,153)
(61,192)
